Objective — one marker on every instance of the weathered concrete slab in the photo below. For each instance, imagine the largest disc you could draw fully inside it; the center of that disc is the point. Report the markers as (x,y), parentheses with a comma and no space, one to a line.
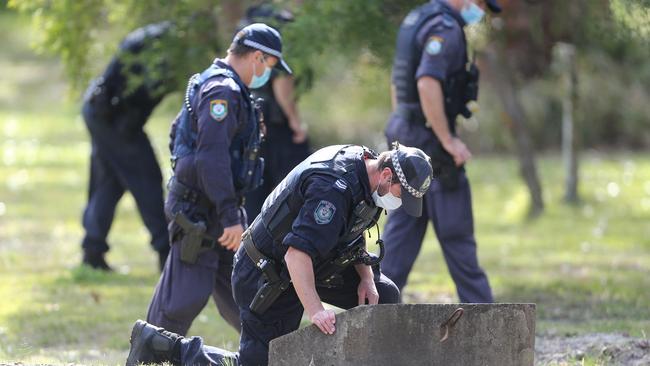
(410,334)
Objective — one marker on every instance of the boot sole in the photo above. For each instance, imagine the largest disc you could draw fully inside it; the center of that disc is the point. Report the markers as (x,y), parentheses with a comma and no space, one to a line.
(135,340)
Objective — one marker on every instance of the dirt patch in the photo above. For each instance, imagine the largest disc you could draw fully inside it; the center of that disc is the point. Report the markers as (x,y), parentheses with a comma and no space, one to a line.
(606,349)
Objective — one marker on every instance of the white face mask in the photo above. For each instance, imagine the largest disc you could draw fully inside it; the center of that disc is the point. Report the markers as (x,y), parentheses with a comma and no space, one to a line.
(387,201)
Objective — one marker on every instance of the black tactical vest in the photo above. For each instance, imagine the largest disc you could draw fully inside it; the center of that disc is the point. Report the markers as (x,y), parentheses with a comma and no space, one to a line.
(407,59)
(246,165)
(283,204)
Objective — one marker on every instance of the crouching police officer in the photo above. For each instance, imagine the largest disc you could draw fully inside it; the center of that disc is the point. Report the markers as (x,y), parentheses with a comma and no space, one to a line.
(115,112)
(214,141)
(306,247)
(433,82)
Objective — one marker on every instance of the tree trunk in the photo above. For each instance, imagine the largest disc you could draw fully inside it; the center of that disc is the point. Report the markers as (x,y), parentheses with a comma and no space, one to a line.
(505,83)
(565,54)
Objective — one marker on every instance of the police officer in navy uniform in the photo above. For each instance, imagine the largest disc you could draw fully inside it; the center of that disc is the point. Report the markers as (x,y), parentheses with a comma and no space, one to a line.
(306,247)
(215,146)
(285,144)
(115,110)
(433,82)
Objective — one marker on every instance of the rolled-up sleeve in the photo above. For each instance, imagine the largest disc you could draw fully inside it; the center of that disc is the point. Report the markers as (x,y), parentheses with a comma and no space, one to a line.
(440,49)
(322,219)
(218,113)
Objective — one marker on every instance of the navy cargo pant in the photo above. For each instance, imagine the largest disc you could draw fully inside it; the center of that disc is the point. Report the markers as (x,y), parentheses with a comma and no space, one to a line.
(119,163)
(184,289)
(280,155)
(281,318)
(450,212)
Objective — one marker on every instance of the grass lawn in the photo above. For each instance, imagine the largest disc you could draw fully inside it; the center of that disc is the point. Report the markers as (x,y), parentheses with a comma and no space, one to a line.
(587,267)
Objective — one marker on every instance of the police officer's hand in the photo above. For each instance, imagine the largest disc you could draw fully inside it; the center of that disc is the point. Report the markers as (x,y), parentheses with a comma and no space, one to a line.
(299,135)
(231,237)
(368,290)
(325,320)
(457,149)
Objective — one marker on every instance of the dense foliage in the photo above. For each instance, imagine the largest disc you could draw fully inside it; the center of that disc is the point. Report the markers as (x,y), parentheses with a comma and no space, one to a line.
(611,37)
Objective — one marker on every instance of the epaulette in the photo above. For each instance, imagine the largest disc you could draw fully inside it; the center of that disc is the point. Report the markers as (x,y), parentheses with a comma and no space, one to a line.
(222,81)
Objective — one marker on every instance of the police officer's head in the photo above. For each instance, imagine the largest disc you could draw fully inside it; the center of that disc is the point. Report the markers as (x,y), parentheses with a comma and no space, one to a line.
(267,13)
(471,10)
(254,51)
(404,177)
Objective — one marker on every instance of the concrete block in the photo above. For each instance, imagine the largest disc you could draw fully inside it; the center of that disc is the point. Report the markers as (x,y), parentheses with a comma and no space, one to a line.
(414,334)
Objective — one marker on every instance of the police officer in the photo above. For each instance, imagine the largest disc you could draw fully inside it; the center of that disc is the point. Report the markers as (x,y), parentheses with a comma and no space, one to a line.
(433,81)
(215,145)
(285,144)
(115,110)
(306,247)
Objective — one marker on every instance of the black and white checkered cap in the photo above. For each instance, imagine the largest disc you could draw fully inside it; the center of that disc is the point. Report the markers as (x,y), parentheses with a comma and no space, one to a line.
(264,38)
(413,168)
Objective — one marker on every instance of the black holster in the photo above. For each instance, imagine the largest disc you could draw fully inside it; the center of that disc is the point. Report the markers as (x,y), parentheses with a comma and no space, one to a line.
(444,168)
(193,237)
(274,284)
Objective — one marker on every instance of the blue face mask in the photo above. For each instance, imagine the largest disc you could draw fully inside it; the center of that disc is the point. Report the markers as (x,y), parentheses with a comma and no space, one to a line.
(259,81)
(472,13)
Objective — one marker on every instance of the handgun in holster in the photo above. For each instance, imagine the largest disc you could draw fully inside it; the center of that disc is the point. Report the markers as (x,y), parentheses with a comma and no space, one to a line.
(445,168)
(273,286)
(193,235)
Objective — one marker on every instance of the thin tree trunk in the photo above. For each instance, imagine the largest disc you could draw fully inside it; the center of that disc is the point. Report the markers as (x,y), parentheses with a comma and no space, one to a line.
(566,57)
(505,83)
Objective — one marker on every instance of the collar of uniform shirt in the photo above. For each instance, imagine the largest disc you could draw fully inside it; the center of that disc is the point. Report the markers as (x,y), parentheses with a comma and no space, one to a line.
(363,177)
(452,12)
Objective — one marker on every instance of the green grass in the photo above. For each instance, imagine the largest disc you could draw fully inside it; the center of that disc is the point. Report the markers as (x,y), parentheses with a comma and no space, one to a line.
(586,266)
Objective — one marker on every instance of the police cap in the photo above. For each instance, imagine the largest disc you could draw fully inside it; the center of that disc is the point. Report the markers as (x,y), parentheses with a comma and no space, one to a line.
(413,168)
(493,5)
(264,38)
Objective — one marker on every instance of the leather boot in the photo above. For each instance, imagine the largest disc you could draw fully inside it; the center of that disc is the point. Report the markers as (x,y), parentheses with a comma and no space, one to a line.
(95,260)
(151,344)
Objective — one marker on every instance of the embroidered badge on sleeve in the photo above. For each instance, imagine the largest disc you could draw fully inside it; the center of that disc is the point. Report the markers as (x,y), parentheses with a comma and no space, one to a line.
(219,109)
(434,45)
(324,212)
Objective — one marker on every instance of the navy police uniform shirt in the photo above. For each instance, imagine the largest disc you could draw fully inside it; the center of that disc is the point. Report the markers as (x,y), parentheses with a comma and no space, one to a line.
(443,45)
(323,219)
(221,112)
(444,52)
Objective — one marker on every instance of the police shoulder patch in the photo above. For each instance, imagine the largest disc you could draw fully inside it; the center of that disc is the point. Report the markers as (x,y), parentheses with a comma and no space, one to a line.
(341,185)
(218,109)
(434,45)
(324,212)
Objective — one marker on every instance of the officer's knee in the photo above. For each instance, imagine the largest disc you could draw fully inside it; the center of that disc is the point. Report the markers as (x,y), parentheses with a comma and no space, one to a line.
(388,291)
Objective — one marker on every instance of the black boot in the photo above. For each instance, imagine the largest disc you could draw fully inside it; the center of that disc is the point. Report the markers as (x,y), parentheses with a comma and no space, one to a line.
(151,344)
(162,257)
(96,260)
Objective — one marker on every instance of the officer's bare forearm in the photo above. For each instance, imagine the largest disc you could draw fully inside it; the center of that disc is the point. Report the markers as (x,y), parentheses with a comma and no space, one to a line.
(393,97)
(364,271)
(301,272)
(432,100)
(283,90)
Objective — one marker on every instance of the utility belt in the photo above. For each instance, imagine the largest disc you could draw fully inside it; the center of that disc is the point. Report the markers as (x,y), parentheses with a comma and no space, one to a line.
(274,284)
(194,240)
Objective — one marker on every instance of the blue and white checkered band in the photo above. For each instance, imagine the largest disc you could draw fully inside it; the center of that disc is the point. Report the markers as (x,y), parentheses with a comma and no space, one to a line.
(402,178)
